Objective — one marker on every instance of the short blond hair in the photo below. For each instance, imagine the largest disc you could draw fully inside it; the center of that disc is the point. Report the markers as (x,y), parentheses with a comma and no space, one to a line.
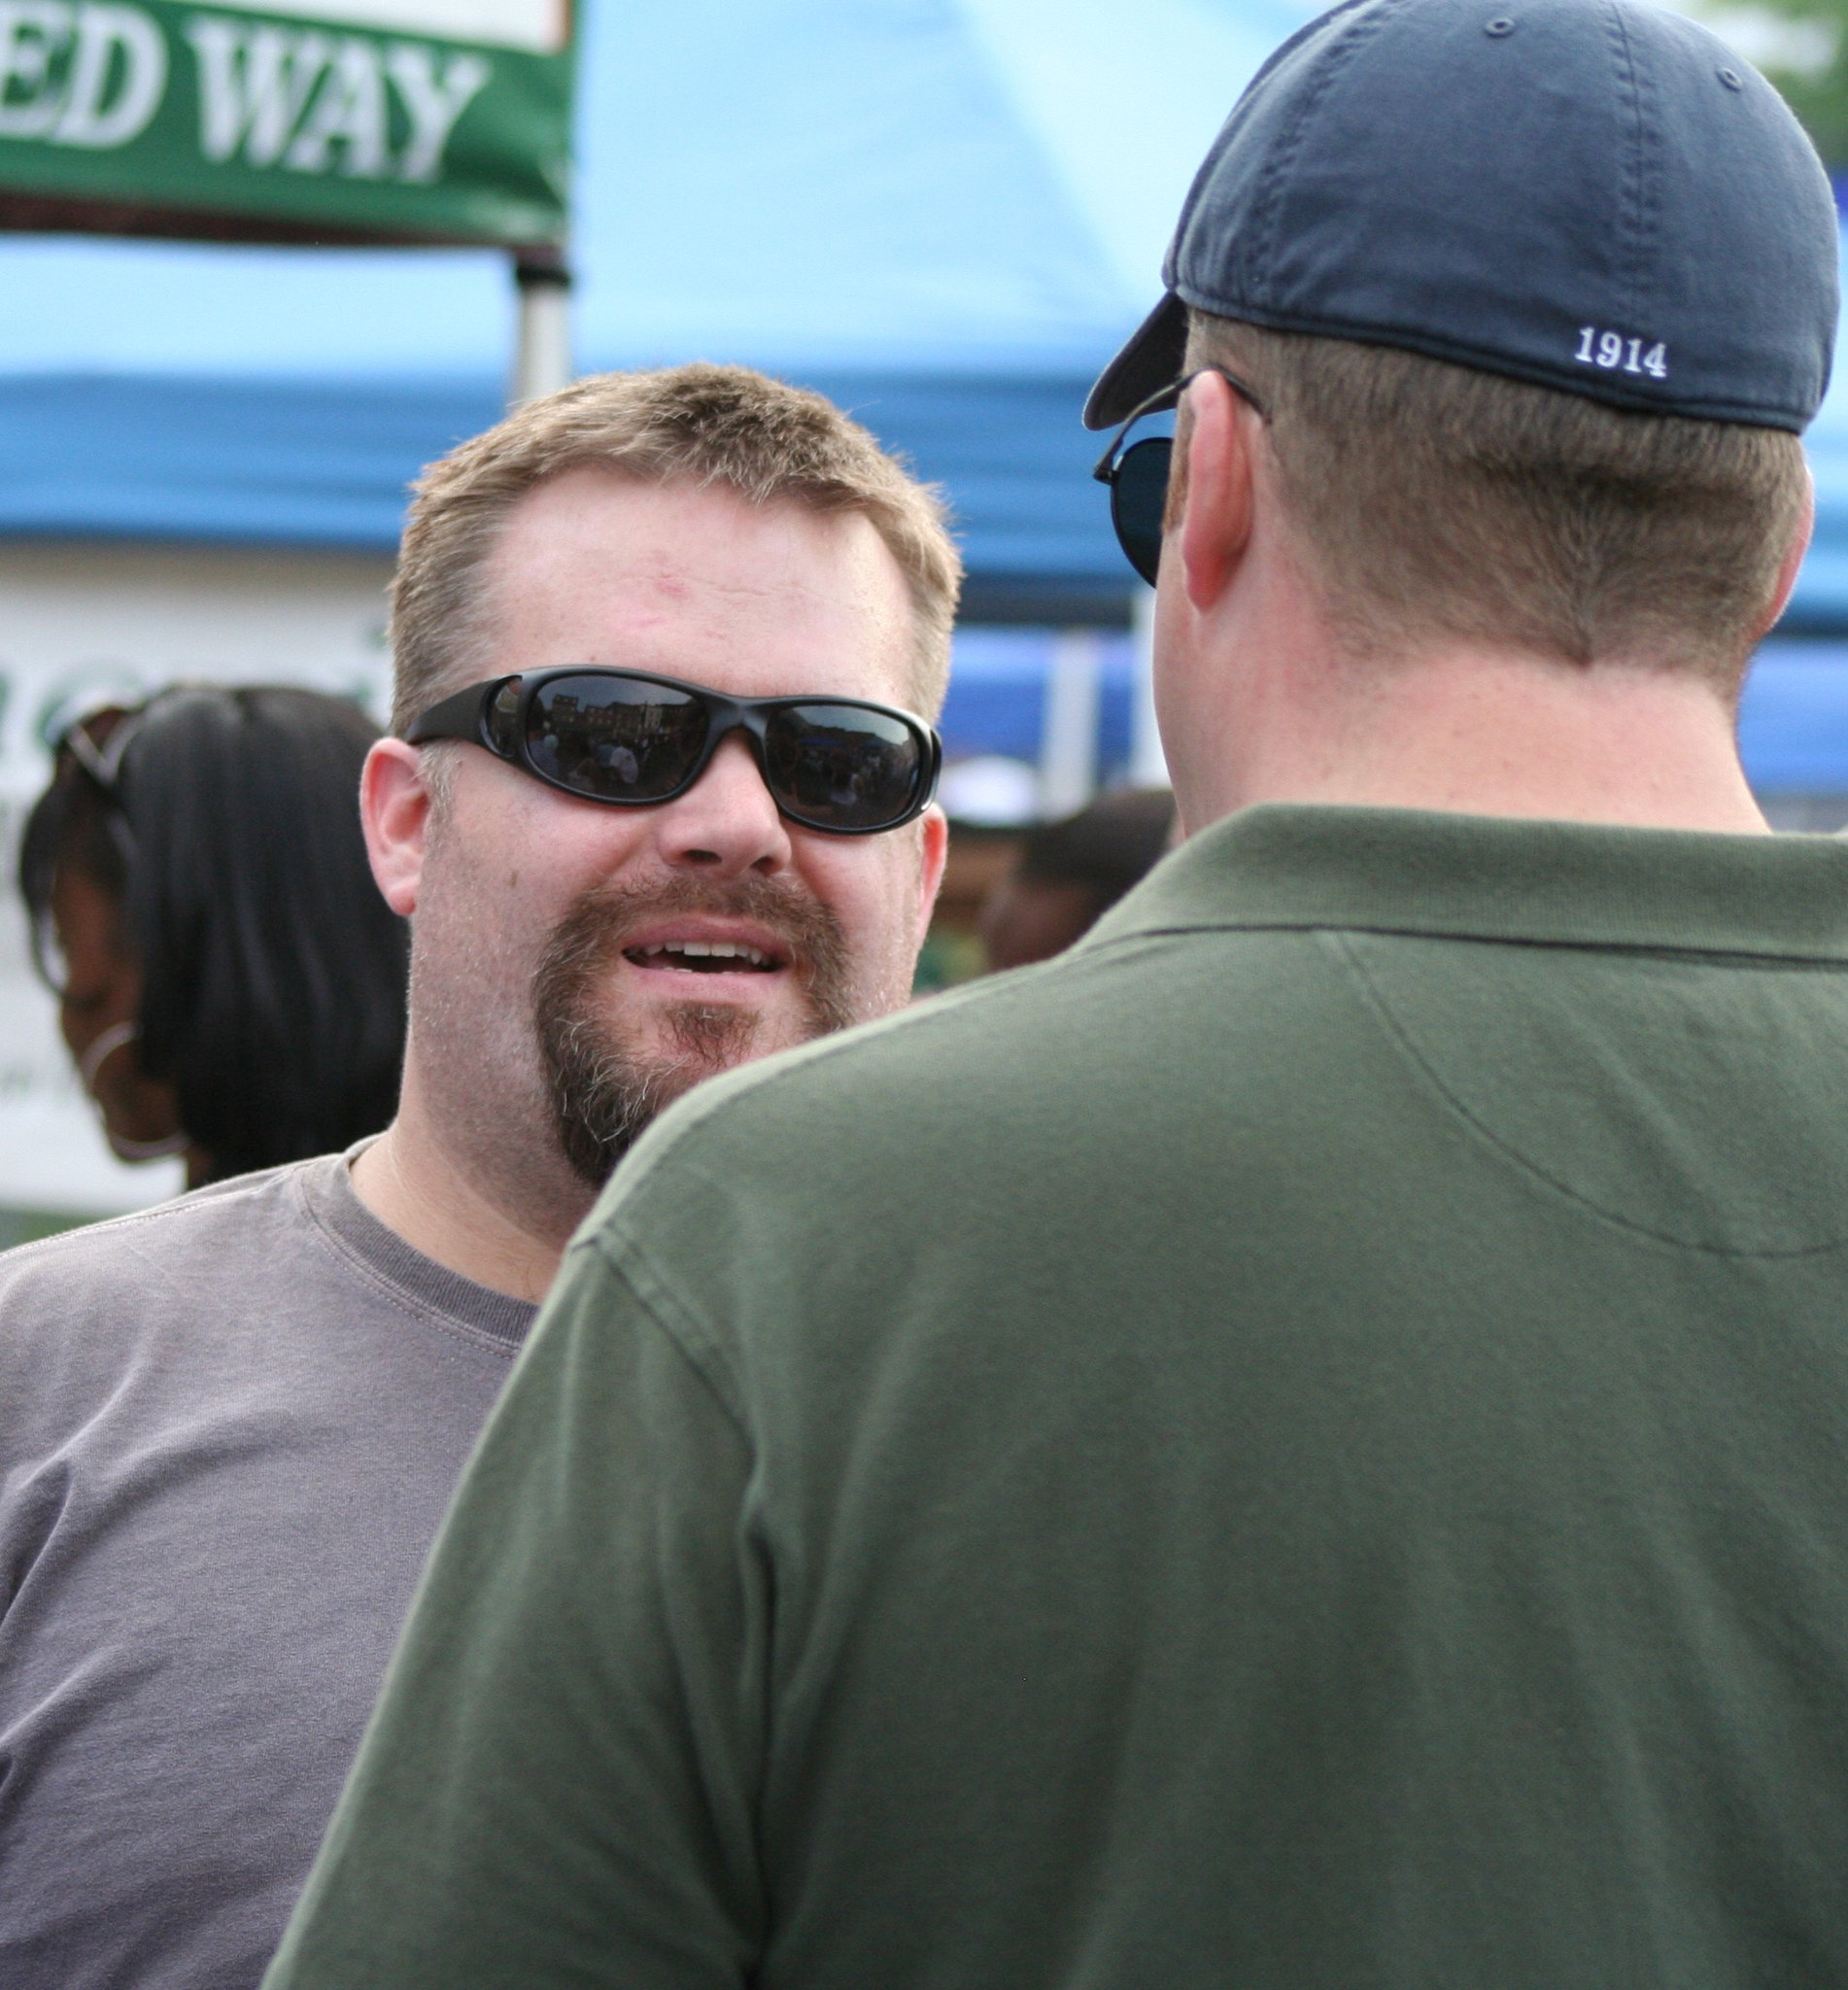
(1434,499)
(701,424)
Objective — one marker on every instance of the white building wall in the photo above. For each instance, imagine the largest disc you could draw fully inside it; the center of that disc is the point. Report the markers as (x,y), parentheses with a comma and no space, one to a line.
(84,618)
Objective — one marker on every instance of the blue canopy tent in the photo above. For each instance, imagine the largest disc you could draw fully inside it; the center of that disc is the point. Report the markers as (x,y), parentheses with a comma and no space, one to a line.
(944,213)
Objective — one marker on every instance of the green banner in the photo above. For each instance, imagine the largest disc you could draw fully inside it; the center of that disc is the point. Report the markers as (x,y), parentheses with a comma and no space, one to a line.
(389,120)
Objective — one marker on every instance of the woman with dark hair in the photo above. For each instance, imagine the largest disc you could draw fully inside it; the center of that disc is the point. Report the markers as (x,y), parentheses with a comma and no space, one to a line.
(229,980)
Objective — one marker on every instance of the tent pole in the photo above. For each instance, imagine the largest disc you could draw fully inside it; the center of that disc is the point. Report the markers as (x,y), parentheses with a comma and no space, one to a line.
(543,351)
(1148,764)
(1068,751)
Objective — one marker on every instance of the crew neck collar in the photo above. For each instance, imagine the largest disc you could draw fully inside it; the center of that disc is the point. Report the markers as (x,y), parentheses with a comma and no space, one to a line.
(328,1194)
(1496,878)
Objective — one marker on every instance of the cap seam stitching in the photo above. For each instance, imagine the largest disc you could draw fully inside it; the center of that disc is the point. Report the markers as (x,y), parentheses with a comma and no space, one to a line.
(1629,189)
(1267,206)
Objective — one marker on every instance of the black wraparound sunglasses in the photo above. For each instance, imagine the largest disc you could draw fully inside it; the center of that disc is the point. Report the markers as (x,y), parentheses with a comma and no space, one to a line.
(632,739)
(1138,476)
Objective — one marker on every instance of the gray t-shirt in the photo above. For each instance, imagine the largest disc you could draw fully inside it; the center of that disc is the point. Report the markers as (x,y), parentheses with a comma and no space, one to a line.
(228,1428)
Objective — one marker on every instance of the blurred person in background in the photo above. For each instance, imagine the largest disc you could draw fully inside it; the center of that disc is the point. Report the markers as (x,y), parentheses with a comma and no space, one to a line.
(1069,873)
(658,798)
(229,980)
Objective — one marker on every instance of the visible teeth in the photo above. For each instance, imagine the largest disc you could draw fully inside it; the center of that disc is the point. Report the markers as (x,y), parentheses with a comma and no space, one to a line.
(708,949)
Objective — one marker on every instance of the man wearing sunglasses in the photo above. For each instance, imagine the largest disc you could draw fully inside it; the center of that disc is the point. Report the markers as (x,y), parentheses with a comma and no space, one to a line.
(660,795)
(1305,1442)
(658,801)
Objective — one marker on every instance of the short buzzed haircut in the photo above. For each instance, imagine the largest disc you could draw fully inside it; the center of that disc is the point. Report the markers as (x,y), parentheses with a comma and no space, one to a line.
(702,425)
(1438,499)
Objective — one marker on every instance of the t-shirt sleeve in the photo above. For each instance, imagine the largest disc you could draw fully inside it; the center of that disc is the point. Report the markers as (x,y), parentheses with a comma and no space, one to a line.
(560,1782)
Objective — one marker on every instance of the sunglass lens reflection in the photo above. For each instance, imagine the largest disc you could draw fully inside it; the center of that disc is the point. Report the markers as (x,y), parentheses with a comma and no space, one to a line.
(835,766)
(621,739)
(1139,495)
(636,740)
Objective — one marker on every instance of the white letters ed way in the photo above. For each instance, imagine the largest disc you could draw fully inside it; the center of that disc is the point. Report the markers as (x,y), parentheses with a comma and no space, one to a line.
(93,73)
(311,101)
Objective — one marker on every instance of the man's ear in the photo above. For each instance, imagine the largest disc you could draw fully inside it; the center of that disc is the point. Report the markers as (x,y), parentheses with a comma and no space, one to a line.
(935,825)
(1215,526)
(395,808)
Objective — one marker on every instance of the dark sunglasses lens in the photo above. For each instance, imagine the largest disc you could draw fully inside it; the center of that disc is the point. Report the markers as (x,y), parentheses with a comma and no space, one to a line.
(616,739)
(1139,495)
(837,767)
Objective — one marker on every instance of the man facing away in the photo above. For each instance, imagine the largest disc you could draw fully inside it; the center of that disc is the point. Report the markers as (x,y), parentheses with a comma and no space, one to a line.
(231,1423)
(1304,1443)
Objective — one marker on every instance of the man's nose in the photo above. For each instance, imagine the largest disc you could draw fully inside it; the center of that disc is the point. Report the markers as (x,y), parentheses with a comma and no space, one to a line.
(726,823)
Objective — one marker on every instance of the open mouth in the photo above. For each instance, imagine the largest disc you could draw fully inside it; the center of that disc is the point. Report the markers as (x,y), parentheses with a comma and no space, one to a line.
(704,957)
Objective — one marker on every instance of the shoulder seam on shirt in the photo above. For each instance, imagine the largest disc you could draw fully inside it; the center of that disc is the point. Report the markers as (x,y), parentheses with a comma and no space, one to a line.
(129,1232)
(1390,1027)
(663,1307)
(177,1209)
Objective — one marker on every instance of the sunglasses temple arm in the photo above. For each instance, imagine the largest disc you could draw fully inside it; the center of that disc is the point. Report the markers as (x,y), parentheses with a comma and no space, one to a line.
(1104,471)
(461,716)
(1157,403)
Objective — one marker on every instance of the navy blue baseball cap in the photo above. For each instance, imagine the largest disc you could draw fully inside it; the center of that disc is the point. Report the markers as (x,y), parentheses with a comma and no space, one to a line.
(1597,196)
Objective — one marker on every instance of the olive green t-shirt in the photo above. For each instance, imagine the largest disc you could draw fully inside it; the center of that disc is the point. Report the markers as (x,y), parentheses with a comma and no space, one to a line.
(1303,1444)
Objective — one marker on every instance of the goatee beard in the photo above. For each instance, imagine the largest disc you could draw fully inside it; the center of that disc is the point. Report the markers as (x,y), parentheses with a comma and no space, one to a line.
(604,1091)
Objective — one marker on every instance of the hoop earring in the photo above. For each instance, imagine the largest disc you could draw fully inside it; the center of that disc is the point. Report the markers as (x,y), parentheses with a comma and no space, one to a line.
(92,1061)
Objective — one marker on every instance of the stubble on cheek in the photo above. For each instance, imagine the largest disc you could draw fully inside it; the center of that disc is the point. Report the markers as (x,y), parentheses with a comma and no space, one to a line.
(471,973)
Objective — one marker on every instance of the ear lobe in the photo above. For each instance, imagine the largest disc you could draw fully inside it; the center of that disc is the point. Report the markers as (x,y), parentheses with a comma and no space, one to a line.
(395,810)
(1216,521)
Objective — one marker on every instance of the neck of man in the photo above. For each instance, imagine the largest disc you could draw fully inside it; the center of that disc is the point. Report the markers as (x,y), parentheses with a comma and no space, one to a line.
(1272,708)
(480,1202)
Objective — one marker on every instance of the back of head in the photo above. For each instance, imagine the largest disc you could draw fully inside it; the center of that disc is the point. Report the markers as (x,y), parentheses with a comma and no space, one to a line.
(1537,302)
(702,425)
(1433,501)
(273,972)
